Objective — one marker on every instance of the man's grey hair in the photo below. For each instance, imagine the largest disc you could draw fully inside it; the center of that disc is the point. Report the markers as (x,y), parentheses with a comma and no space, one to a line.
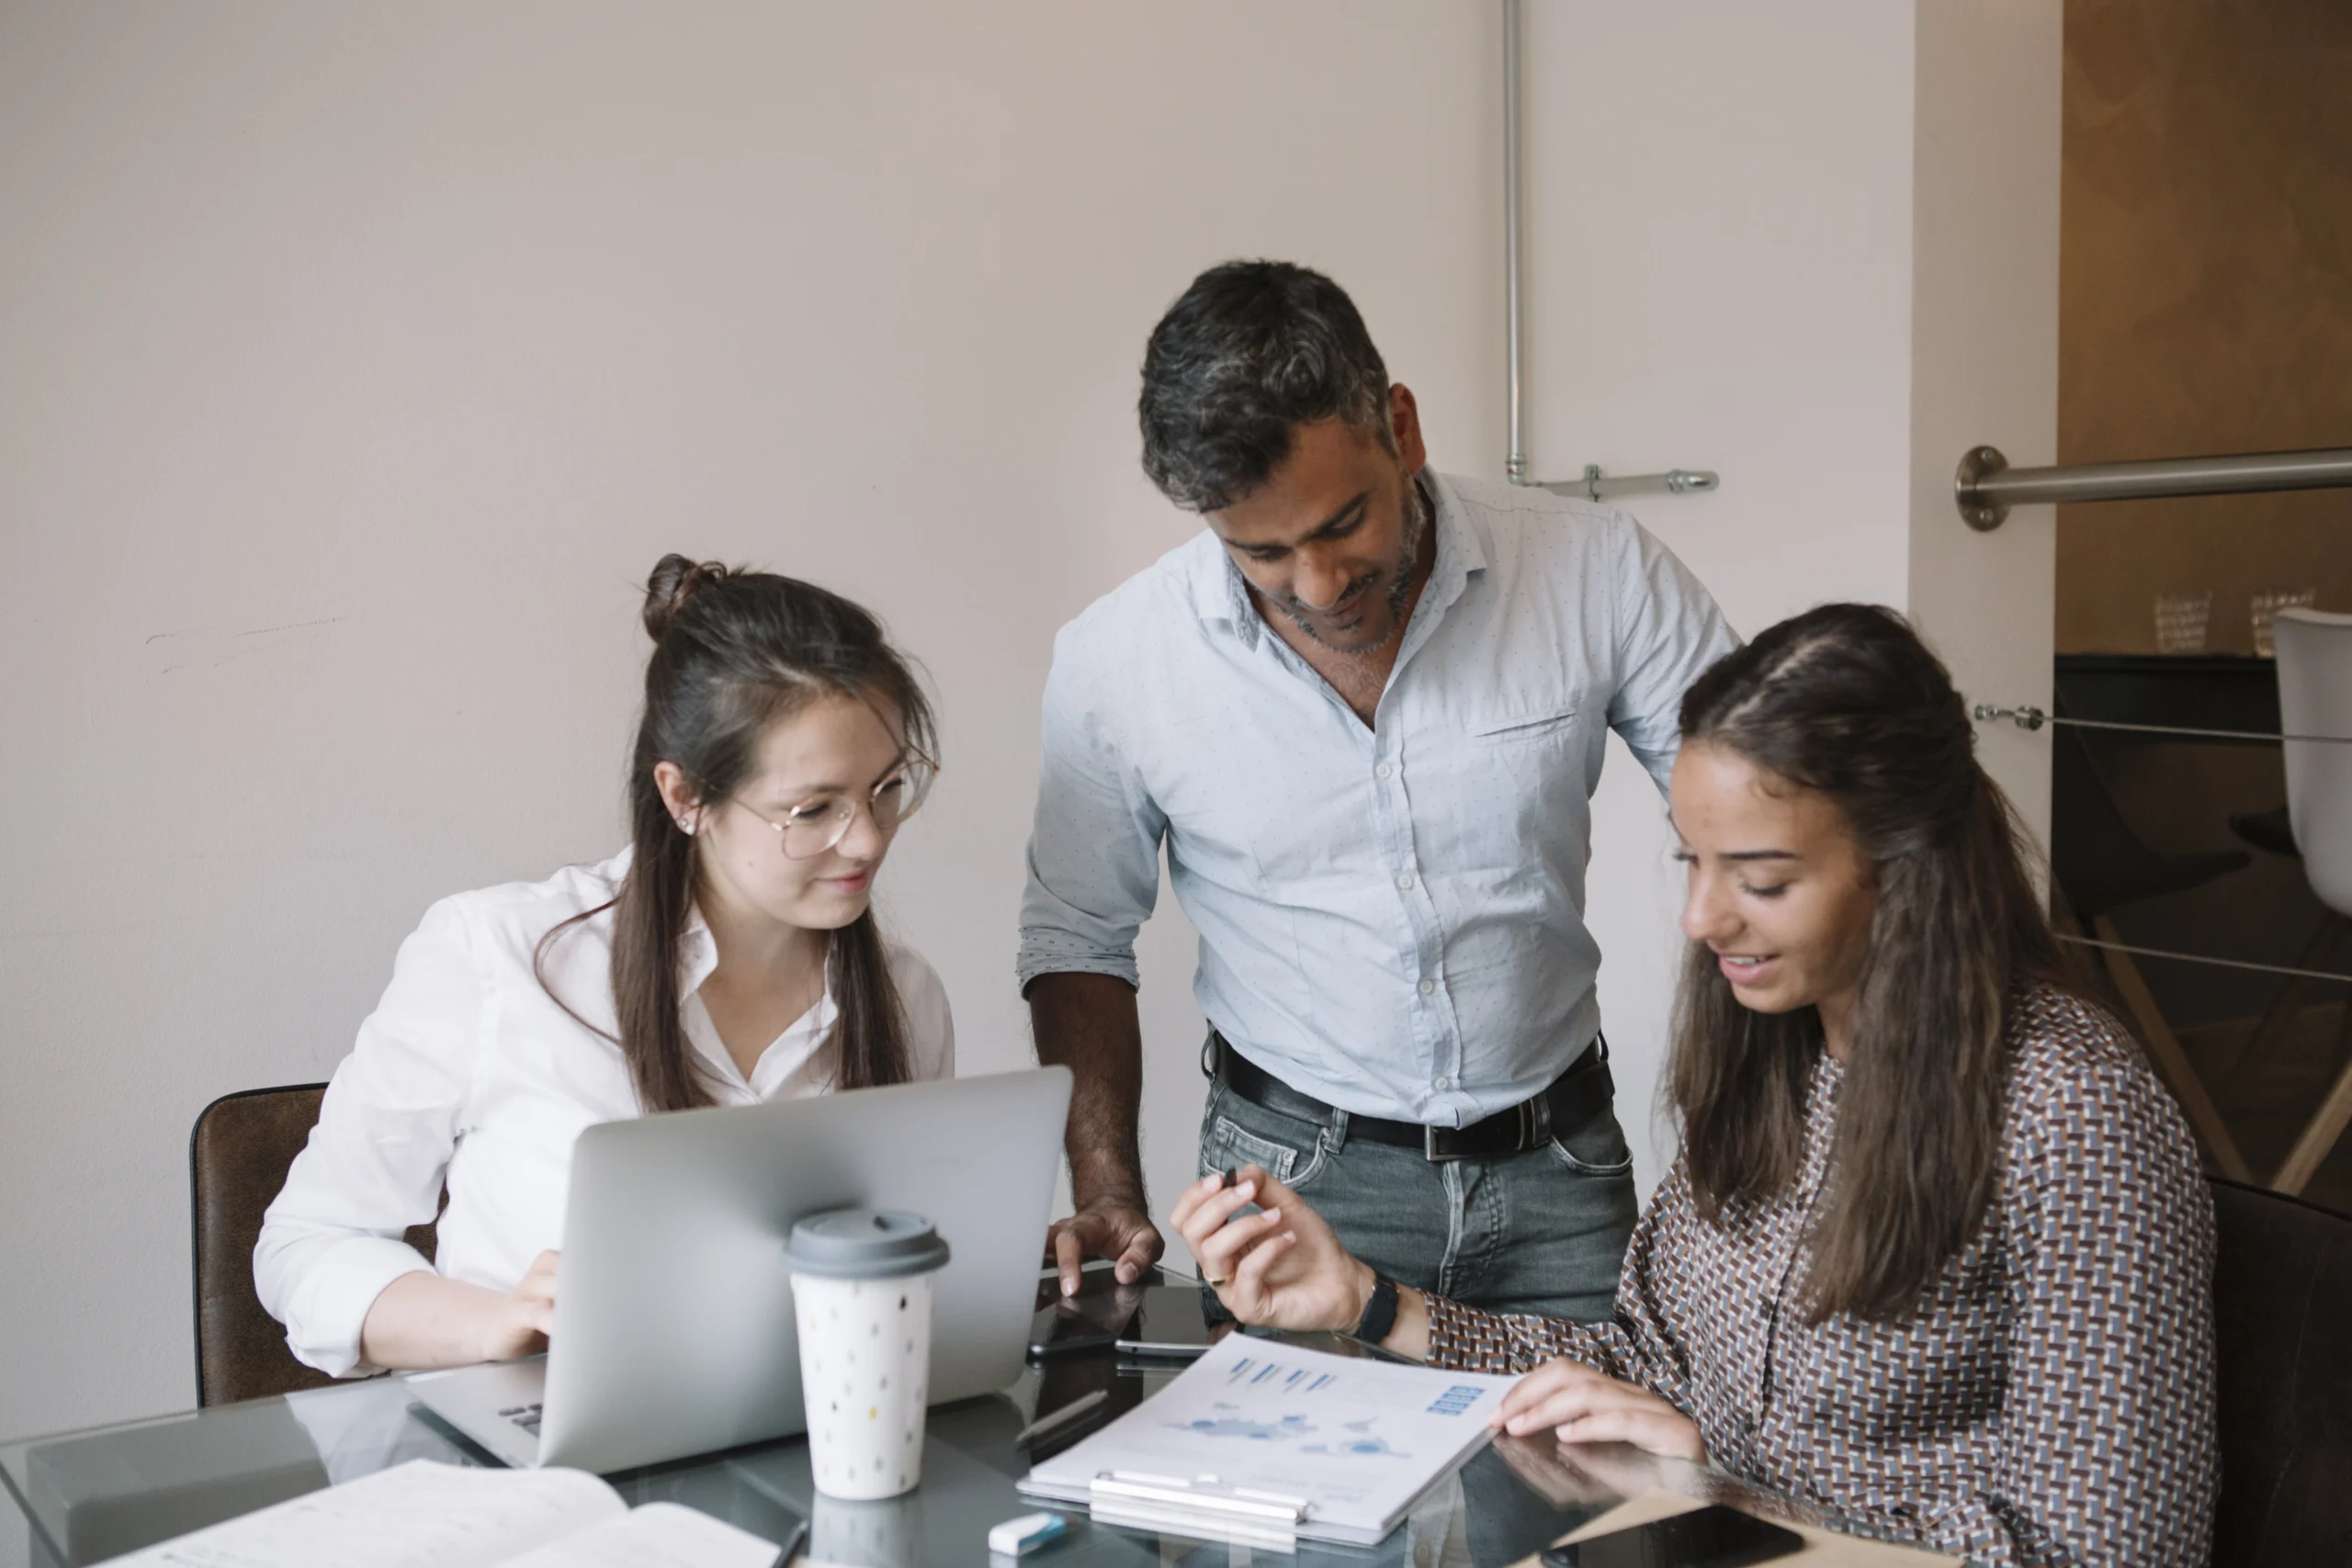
(1254,349)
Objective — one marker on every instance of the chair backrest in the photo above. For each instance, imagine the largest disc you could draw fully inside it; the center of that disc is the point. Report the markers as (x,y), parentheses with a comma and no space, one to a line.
(2315,698)
(2282,1309)
(2098,859)
(237,1158)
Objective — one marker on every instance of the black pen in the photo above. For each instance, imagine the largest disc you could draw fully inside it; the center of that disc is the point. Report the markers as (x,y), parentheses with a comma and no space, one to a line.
(792,1544)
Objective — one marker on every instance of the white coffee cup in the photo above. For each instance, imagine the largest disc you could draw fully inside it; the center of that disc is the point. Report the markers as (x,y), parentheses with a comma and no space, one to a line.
(861,1292)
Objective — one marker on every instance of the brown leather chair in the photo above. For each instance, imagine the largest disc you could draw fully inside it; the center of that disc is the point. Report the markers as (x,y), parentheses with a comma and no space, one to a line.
(2282,1309)
(237,1159)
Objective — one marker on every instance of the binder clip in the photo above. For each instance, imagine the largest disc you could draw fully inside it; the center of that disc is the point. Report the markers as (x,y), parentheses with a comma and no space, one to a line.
(1203,1506)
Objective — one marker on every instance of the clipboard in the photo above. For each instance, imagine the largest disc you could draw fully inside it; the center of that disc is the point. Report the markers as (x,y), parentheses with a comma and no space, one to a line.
(1201,1504)
(1270,1443)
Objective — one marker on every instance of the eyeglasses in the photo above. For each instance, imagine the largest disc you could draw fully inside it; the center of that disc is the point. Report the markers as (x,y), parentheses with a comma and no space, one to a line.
(817,824)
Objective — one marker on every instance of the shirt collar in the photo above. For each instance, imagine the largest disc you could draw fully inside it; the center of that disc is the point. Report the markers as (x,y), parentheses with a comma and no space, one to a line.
(1220,594)
(697,956)
(1219,591)
(1460,543)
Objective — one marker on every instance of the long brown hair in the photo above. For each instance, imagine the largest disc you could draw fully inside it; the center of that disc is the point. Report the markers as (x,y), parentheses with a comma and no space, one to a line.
(1846,701)
(734,651)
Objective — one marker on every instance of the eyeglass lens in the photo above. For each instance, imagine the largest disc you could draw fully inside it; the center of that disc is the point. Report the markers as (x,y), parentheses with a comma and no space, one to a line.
(819,826)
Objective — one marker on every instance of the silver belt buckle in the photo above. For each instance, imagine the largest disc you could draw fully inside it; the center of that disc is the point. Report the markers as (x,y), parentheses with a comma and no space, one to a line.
(1431,1152)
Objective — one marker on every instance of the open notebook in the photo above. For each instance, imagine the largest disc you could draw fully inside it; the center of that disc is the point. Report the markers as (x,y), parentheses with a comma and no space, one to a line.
(424,1515)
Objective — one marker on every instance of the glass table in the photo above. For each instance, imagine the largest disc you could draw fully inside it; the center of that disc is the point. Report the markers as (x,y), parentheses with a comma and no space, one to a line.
(90,1495)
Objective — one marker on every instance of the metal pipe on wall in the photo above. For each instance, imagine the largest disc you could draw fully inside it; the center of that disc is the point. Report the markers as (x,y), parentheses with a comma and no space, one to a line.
(1514,461)
(1986,486)
(1594,485)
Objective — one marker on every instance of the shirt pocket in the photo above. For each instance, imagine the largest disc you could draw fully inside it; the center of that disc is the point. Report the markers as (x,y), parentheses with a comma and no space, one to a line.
(1542,724)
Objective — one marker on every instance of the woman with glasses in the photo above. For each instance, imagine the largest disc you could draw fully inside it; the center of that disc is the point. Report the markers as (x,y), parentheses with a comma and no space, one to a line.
(729,954)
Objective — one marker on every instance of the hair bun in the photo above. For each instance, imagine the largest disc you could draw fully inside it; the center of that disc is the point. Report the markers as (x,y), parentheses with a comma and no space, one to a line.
(675,579)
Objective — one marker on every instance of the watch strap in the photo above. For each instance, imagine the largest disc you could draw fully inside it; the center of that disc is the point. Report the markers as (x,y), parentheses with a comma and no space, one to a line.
(1379,1313)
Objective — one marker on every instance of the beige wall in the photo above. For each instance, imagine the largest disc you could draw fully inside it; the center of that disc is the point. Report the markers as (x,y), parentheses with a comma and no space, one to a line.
(361,360)
(2207,287)
(1984,342)
(1788,242)
(357,362)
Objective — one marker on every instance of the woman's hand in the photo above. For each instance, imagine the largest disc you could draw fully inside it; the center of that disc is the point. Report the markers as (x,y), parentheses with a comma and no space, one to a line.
(1585,1407)
(422,1320)
(519,1322)
(1278,1269)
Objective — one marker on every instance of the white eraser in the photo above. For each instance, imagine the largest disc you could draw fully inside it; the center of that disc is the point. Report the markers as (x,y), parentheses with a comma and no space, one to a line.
(1025,1534)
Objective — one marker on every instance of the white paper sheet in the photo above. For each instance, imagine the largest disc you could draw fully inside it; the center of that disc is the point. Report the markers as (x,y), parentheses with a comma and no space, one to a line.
(418,1515)
(658,1535)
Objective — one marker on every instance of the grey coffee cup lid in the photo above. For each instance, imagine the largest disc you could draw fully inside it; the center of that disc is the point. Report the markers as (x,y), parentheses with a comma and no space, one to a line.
(865,1244)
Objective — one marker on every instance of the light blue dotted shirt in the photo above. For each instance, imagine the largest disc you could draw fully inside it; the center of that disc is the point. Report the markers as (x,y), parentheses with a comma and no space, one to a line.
(1391,918)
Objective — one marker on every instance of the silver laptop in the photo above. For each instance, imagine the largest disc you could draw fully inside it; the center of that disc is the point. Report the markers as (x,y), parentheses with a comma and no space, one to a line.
(673,1325)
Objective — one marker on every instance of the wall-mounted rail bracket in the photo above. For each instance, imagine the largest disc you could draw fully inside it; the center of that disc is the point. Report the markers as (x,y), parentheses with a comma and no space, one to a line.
(1977,465)
(1986,486)
(1596,485)
(2027,717)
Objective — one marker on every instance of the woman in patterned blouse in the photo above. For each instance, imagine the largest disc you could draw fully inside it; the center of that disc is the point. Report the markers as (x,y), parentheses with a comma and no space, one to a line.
(1935,1253)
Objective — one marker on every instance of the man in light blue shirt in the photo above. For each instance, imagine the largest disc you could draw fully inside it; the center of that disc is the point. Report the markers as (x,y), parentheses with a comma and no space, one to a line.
(1364,711)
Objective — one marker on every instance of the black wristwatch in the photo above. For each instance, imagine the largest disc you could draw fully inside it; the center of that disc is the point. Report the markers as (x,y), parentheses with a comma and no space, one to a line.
(1380,1313)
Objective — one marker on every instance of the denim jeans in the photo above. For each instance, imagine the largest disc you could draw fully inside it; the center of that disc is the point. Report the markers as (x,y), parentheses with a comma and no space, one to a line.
(1539,1232)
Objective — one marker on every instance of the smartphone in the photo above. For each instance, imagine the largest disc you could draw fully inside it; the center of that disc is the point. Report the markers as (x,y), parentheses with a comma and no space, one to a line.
(1712,1537)
(1169,1325)
(1092,1320)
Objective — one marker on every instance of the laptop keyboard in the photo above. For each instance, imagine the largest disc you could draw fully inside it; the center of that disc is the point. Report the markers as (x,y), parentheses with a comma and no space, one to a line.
(526,1416)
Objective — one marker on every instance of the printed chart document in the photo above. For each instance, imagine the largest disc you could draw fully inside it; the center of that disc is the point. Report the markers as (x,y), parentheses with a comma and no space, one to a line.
(1357,1440)
(424,1515)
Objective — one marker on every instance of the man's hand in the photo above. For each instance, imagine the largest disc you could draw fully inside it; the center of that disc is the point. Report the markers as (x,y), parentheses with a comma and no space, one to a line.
(521,1320)
(1281,1268)
(1088,1023)
(1116,1228)
(1586,1406)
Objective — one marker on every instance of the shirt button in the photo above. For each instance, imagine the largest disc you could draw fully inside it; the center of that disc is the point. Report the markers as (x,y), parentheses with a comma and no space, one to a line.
(1428,988)
(1405,881)
(1442,1084)
(1383,771)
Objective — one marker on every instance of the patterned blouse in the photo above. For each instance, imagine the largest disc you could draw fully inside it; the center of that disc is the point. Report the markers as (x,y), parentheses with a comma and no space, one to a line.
(2052,1402)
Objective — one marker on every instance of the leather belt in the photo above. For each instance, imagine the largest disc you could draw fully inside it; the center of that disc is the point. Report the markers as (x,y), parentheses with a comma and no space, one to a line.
(1584,1091)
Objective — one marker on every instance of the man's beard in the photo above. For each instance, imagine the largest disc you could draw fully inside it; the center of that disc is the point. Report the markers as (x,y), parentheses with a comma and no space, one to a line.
(1400,581)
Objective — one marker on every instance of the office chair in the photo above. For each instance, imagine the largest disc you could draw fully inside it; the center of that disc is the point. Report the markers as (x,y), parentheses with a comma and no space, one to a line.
(2315,699)
(2282,1293)
(2100,862)
(2274,833)
(237,1156)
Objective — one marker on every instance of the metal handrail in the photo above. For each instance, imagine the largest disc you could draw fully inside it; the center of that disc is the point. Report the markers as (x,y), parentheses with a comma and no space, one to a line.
(1986,486)
(1593,485)
(2028,717)
(2338,976)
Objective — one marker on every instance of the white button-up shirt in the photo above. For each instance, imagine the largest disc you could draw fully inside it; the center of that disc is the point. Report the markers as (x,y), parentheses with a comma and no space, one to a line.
(468,1072)
(1392,918)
